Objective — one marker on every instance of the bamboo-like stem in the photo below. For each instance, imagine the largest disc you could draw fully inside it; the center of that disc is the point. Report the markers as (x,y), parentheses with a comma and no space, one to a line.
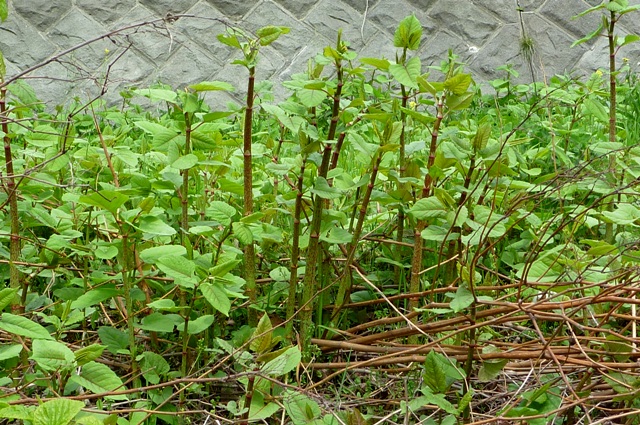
(15,279)
(418,243)
(295,253)
(249,249)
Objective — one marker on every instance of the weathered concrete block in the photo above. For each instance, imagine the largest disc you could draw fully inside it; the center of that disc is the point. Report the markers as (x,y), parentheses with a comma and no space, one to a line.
(42,13)
(298,8)
(234,9)
(21,44)
(188,65)
(328,18)
(563,12)
(471,23)
(162,7)
(387,18)
(106,11)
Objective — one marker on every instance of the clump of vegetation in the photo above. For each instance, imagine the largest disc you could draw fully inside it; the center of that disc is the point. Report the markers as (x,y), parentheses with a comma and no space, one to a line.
(387,244)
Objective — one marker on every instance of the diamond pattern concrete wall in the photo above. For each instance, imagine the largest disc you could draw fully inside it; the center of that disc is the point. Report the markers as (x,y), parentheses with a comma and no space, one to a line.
(484,33)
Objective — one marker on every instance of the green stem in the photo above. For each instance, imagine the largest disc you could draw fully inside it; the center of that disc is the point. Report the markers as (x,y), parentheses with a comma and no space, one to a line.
(295,254)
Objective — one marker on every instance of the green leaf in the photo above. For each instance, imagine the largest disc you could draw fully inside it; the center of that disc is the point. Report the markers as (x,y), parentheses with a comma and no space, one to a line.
(200,324)
(381,64)
(261,340)
(623,215)
(151,255)
(52,355)
(300,408)
(630,38)
(158,94)
(596,109)
(243,233)
(430,207)
(158,322)
(439,400)
(4,11)
(592,35)
(270,33)
(222,269)
(185,162)
(154,226)
(153,366)
(23,413)
(105,199)
(458,84)
(322,189)
(434,375)
(337,235)
(95,296)
(22,326)
(212,86)
(88,354)
(462,299)
(99,378)
(3,67)
(408,73)
(221,212)
(490,370)
(6,297)
(115,339)
(179,268)
(229,40)
(284,363)
(10,351)
(481,137)
(311,98)
(408,33)
(60,411)
(215,295)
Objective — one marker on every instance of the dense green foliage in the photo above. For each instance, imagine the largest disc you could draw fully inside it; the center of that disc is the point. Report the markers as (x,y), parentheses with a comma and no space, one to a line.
(391,206)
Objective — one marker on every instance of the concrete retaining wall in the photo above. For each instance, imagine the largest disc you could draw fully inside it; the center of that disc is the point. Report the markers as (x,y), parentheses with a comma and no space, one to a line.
(485,33)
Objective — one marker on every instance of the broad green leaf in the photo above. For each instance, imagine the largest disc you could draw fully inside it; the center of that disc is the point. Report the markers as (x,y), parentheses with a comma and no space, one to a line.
(623,215)
(596,109)
(243,233)
(490,369)
(4,11)
(158,94)
(261,340)
(284,363)
(179,268)
(434,374)
(215,295)
(270,33)
(22,326)
(311,98)
(280,274)
(88,354)
(154,226)
(212,86)
(458,102)
(60,411)
(229,40)
(462,299)
(52,355)
(458,84)
(185,162)
(259,410)
(301,409)
(430,207)
(158,322)
(382,64)
(10,351)
(6,296)
(151,255)
(408,33)
(95,296)
(20,412)
(439,400)
(629,38)
(115,339)
(322,189)
(220,270)
(164,305)
(42,136)
(337,235)
(105,199)
(153,366)
(408,73)
(99,378)
(200,324)
(481,137)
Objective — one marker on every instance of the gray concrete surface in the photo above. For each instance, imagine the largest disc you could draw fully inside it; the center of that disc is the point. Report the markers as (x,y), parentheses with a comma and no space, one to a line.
(485,33)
